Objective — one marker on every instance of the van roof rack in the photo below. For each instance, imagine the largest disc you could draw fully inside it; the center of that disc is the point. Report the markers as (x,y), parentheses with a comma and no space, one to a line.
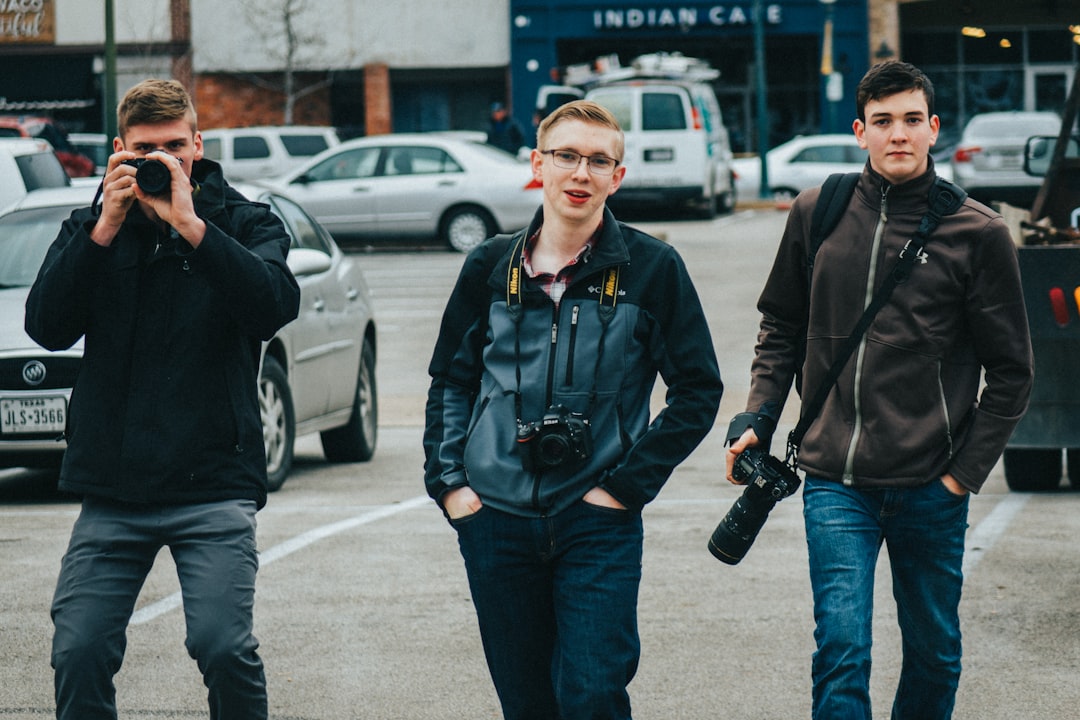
(662,65)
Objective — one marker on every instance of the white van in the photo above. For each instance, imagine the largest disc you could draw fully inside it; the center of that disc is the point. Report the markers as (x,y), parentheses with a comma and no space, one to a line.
(677,148)
(254,153)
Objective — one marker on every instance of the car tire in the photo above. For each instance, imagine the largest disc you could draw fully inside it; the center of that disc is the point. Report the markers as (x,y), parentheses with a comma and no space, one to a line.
(355,441)
(725,201)
(278,422)
(464,228)
(1032,469)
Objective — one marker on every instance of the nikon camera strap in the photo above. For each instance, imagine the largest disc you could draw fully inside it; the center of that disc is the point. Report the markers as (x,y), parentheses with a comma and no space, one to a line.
(945,199)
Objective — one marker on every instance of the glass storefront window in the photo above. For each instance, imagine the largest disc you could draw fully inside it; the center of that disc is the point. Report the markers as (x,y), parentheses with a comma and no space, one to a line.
(993,91)
(996,48)
(1054,46)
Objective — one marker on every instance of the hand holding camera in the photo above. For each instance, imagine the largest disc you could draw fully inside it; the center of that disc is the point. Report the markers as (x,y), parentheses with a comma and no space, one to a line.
(768,480)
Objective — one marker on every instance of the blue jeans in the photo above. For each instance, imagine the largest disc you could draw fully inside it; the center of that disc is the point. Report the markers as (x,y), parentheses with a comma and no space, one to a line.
(111,551)
(556,600)
(923,528)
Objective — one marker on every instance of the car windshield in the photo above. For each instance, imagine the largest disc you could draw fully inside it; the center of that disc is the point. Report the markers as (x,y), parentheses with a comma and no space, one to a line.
(25,237)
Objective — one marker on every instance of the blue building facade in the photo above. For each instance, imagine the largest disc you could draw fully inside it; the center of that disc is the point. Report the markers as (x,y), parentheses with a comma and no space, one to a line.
(548,35)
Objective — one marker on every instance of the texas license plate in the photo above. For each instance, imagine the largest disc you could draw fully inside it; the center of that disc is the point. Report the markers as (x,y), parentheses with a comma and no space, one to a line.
(33,415)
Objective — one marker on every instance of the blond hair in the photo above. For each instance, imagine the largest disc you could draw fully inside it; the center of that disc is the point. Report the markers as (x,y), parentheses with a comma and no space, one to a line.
(155,101)
(585,111)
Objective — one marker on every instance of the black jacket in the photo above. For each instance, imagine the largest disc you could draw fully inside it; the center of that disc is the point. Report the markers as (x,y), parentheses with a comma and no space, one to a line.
(165,408)
(658,326)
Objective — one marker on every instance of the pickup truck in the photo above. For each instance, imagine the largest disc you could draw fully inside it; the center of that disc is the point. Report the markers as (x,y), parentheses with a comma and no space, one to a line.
(1049,433)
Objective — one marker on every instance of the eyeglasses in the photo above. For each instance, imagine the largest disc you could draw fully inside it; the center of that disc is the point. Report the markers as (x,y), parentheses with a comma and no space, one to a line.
(569,160)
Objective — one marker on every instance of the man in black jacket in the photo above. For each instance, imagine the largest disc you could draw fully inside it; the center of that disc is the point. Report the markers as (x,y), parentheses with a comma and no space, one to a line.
(174,289)
(540,446)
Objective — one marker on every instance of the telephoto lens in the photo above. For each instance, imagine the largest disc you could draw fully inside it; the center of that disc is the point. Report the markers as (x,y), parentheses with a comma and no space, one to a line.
(768,480)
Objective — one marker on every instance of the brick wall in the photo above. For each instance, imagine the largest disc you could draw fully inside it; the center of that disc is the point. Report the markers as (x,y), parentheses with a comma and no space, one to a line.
(225,100)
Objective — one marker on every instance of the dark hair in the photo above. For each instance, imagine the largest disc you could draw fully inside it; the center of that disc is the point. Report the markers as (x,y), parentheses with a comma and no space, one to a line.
(889,78)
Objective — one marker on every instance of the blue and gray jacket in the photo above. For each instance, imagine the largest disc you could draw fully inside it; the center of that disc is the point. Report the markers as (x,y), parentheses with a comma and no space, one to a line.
(487,365)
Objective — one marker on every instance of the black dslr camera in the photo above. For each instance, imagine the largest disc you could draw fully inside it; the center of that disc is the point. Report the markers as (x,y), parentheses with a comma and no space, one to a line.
(151,175)
(560,437)
(768,480)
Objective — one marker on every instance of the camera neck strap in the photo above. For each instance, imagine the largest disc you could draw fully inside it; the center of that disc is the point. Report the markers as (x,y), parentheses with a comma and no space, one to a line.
(945,198)
(515,289)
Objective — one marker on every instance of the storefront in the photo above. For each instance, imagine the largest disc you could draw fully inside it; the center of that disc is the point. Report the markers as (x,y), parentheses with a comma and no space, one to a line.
(547,35)
(992,55)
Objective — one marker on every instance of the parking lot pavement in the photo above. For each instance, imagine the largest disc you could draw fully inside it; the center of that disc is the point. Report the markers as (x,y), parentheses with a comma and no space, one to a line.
(363,609)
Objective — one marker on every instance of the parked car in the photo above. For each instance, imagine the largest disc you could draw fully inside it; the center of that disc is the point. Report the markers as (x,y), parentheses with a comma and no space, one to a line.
(677,147)
(317,375)
(800,163)
(988,160)
(96,146)
(75,164)
(27,164)
(254,153)
(415,185)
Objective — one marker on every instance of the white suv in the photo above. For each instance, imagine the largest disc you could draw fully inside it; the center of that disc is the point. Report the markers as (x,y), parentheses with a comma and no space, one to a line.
(677,148)
(254,153)
(27,164)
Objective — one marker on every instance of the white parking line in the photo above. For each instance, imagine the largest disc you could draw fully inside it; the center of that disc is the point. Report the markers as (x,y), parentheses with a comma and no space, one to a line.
(155,610)
(993,526)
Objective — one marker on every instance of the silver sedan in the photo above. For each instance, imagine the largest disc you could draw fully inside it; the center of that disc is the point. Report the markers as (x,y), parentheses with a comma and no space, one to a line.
(318,372)
(418,185)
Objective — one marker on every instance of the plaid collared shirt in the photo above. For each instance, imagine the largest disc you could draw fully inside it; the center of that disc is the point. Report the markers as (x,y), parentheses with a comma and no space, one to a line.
(555,284)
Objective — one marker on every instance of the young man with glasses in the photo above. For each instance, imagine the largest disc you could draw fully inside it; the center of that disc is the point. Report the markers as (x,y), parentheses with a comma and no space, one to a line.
(540,449)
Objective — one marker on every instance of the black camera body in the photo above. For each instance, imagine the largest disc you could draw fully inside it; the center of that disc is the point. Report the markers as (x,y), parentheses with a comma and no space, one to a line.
(151,175)
(560,437)
(768,480)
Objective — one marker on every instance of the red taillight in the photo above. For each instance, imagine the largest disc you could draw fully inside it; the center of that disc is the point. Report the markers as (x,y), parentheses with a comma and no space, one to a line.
(966,154)
(1058,307)
(533,184)
(697,119)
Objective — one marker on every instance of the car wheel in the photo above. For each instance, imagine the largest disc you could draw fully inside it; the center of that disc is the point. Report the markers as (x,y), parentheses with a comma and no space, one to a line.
(1032,469)
(278,422)
(784,195)
(725,201)
(355,441)
(466,227)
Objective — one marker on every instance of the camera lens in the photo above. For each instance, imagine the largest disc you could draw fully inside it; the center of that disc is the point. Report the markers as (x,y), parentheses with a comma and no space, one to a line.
(553,449)
(153,177)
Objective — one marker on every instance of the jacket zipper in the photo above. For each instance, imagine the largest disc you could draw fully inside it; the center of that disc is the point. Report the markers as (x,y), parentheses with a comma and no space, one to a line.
(871,276)
(945,411)
(569,381)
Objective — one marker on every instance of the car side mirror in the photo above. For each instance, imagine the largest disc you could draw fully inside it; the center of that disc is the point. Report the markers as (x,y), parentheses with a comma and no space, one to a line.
(1039,150)
(305,261)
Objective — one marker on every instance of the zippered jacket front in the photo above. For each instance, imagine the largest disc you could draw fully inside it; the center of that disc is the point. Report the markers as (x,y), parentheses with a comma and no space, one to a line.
(907,407)
(564,356)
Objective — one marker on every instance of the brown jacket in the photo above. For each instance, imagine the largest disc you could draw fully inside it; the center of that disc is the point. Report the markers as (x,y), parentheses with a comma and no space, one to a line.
(907,407)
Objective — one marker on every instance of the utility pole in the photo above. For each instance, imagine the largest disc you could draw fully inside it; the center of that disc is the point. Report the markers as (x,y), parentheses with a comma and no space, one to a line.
(108,100)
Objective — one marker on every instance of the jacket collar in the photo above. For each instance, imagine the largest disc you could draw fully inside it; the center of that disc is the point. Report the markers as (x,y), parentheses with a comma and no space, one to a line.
(909,197)
(609,250)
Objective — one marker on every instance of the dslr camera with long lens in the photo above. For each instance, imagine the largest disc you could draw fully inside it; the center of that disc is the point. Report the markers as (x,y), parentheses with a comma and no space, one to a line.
(768,480)
(151,175)
(559,437)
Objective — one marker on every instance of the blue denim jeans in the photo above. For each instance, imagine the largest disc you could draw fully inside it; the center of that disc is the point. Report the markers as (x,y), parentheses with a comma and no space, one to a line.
(923,528)
(556,600)
(111,551)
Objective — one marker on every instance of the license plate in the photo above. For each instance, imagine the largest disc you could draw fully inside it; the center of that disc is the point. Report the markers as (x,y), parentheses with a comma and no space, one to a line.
(33,415)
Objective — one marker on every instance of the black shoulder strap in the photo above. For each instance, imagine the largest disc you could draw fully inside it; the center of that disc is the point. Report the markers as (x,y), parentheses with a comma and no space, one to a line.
(835,195)
(944,199)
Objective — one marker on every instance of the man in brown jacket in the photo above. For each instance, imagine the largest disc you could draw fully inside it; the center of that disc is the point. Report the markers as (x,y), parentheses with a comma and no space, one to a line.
(905,434)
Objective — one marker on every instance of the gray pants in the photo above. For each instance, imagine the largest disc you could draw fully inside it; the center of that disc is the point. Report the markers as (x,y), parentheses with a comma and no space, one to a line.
(111,552)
